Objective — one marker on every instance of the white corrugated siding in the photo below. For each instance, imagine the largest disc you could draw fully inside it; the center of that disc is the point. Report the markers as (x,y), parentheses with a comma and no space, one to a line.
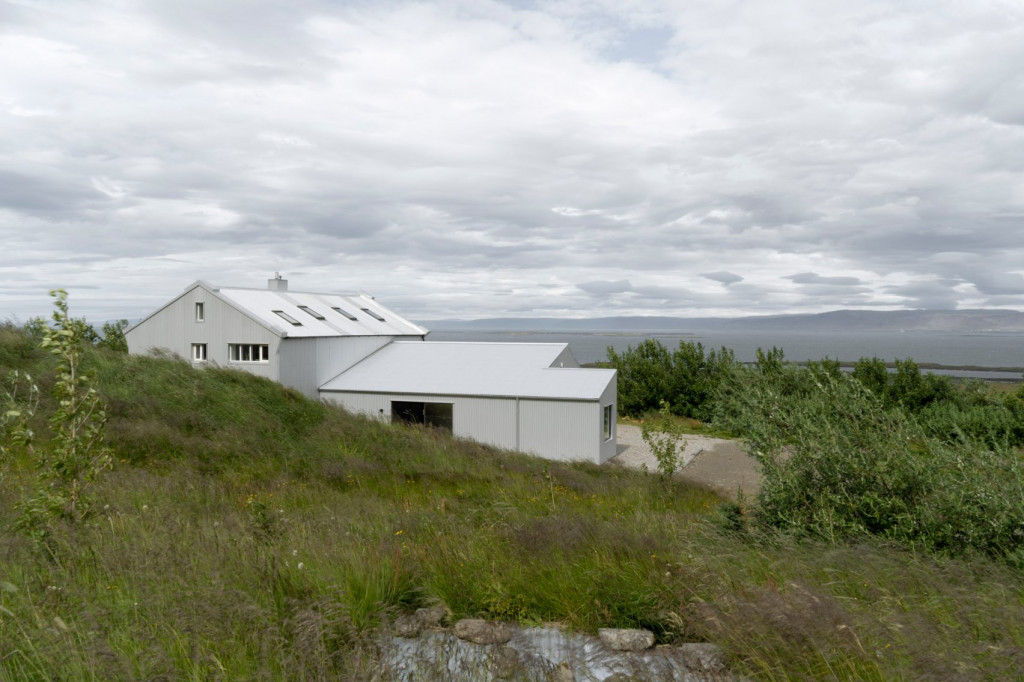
(560,429)
(609,448)
(487,420)
(174,329)
(306,363)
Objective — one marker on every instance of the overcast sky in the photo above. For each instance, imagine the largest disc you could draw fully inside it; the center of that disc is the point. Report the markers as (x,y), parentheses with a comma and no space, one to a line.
(477,158)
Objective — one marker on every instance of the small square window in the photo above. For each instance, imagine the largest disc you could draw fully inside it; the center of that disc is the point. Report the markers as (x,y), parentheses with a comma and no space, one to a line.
(198,352)
(200,312)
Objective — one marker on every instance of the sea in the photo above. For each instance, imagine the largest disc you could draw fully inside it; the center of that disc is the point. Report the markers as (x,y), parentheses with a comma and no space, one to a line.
(995,356)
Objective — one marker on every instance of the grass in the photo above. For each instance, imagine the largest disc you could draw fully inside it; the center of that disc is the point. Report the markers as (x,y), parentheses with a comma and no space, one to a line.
(248,533)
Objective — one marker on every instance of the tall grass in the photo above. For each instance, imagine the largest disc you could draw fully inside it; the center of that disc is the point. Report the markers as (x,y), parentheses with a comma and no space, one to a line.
(247,533)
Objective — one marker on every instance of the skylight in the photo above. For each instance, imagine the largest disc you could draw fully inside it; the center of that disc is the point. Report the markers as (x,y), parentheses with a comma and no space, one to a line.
(344,313)
(372,314)
(287,318)
(307,309)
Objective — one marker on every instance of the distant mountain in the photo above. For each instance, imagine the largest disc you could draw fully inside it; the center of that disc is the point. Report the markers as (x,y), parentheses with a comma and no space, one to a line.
(835,321)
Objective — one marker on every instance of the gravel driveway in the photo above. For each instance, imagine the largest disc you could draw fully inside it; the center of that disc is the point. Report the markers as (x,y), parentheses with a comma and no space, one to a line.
(716,463)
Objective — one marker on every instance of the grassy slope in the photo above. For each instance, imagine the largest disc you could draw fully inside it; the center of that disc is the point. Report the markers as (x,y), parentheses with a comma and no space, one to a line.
(246,532)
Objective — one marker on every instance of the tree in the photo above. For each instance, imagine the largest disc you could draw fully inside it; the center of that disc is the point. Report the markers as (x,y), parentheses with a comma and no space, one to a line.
(113,336)
(77,452)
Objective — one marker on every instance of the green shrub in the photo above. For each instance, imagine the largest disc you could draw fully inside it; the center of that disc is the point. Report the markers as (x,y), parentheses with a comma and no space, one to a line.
(686,378)
(838,463)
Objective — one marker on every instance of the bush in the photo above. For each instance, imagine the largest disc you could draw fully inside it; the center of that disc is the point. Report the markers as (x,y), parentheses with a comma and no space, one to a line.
(838,463)
(686,378)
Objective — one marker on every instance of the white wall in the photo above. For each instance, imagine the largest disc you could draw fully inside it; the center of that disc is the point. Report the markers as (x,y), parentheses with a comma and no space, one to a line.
(174,328)
(560,430)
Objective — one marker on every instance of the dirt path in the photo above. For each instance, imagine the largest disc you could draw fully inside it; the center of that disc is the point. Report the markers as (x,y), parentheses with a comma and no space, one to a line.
(717,463)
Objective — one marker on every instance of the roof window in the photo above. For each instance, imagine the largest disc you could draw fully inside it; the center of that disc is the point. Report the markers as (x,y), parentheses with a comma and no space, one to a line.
(372,314)
(344,313)
(307,309)
(287,318)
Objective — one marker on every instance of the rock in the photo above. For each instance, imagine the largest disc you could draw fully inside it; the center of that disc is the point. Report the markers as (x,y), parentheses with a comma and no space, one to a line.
(480,631)
(411,625)
(433,616)
(620,677)
(408,626)
(505,664)
(703,657)
(562,673)
(626,639)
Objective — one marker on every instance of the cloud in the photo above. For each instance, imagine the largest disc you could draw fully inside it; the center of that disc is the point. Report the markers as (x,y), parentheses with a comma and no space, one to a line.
(606,288)
(723,277)
(500,158)
(815,278)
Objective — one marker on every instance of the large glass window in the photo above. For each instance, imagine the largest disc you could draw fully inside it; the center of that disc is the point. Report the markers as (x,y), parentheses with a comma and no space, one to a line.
(248,352)
(438,415)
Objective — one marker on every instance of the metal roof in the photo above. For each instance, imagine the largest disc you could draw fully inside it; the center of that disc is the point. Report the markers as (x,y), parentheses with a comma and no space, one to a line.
(472,369)
(319,316)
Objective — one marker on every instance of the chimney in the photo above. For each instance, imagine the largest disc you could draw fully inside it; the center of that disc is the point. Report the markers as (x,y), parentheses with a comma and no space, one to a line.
(277,284)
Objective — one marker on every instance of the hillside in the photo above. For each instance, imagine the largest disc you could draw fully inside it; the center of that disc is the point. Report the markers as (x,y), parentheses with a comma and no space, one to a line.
(248,533)
(835,321)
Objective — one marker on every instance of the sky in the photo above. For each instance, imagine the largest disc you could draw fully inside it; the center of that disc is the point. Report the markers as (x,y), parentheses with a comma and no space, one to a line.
(532,158)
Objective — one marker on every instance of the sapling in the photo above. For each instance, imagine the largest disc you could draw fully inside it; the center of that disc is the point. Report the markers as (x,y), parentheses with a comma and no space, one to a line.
(77,451)
(665,439)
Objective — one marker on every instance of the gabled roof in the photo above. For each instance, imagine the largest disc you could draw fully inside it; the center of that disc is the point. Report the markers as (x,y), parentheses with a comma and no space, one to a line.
(307,309)
(371,318)
(472,369)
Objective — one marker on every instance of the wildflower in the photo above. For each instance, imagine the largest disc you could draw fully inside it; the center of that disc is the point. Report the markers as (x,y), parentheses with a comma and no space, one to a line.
(301,566)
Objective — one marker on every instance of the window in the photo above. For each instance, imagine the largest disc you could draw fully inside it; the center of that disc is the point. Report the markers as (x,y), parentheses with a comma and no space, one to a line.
(287,318)
(438,415)
(310,311)
(344,313)
(372,314)
(248,352)
(198,352)
(606,428)
(200,312)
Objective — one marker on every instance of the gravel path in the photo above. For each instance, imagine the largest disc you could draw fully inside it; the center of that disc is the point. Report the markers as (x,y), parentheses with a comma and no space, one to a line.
(716,463)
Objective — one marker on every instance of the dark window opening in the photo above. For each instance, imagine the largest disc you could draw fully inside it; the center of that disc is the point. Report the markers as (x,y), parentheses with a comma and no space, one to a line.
(307,309)
(342,311)
(438,415)
(373,314)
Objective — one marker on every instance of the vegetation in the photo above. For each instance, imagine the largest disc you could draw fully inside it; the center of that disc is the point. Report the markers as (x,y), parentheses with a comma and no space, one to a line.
(246,532)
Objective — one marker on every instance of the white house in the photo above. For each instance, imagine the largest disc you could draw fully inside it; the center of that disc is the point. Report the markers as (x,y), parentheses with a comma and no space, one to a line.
(350,350)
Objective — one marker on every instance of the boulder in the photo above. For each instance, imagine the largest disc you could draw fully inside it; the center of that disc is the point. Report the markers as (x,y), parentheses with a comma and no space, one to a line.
(624,639)
(703,657)
(479,631)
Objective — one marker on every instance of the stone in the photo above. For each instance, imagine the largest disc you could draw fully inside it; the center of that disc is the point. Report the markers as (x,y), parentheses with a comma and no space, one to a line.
(625,639)
(703,656)
(479,631)
(433,616)
(505,664)
(408,626)
(562,673)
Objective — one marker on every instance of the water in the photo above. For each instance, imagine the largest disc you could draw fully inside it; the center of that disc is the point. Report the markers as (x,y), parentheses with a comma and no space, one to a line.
(984,353)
